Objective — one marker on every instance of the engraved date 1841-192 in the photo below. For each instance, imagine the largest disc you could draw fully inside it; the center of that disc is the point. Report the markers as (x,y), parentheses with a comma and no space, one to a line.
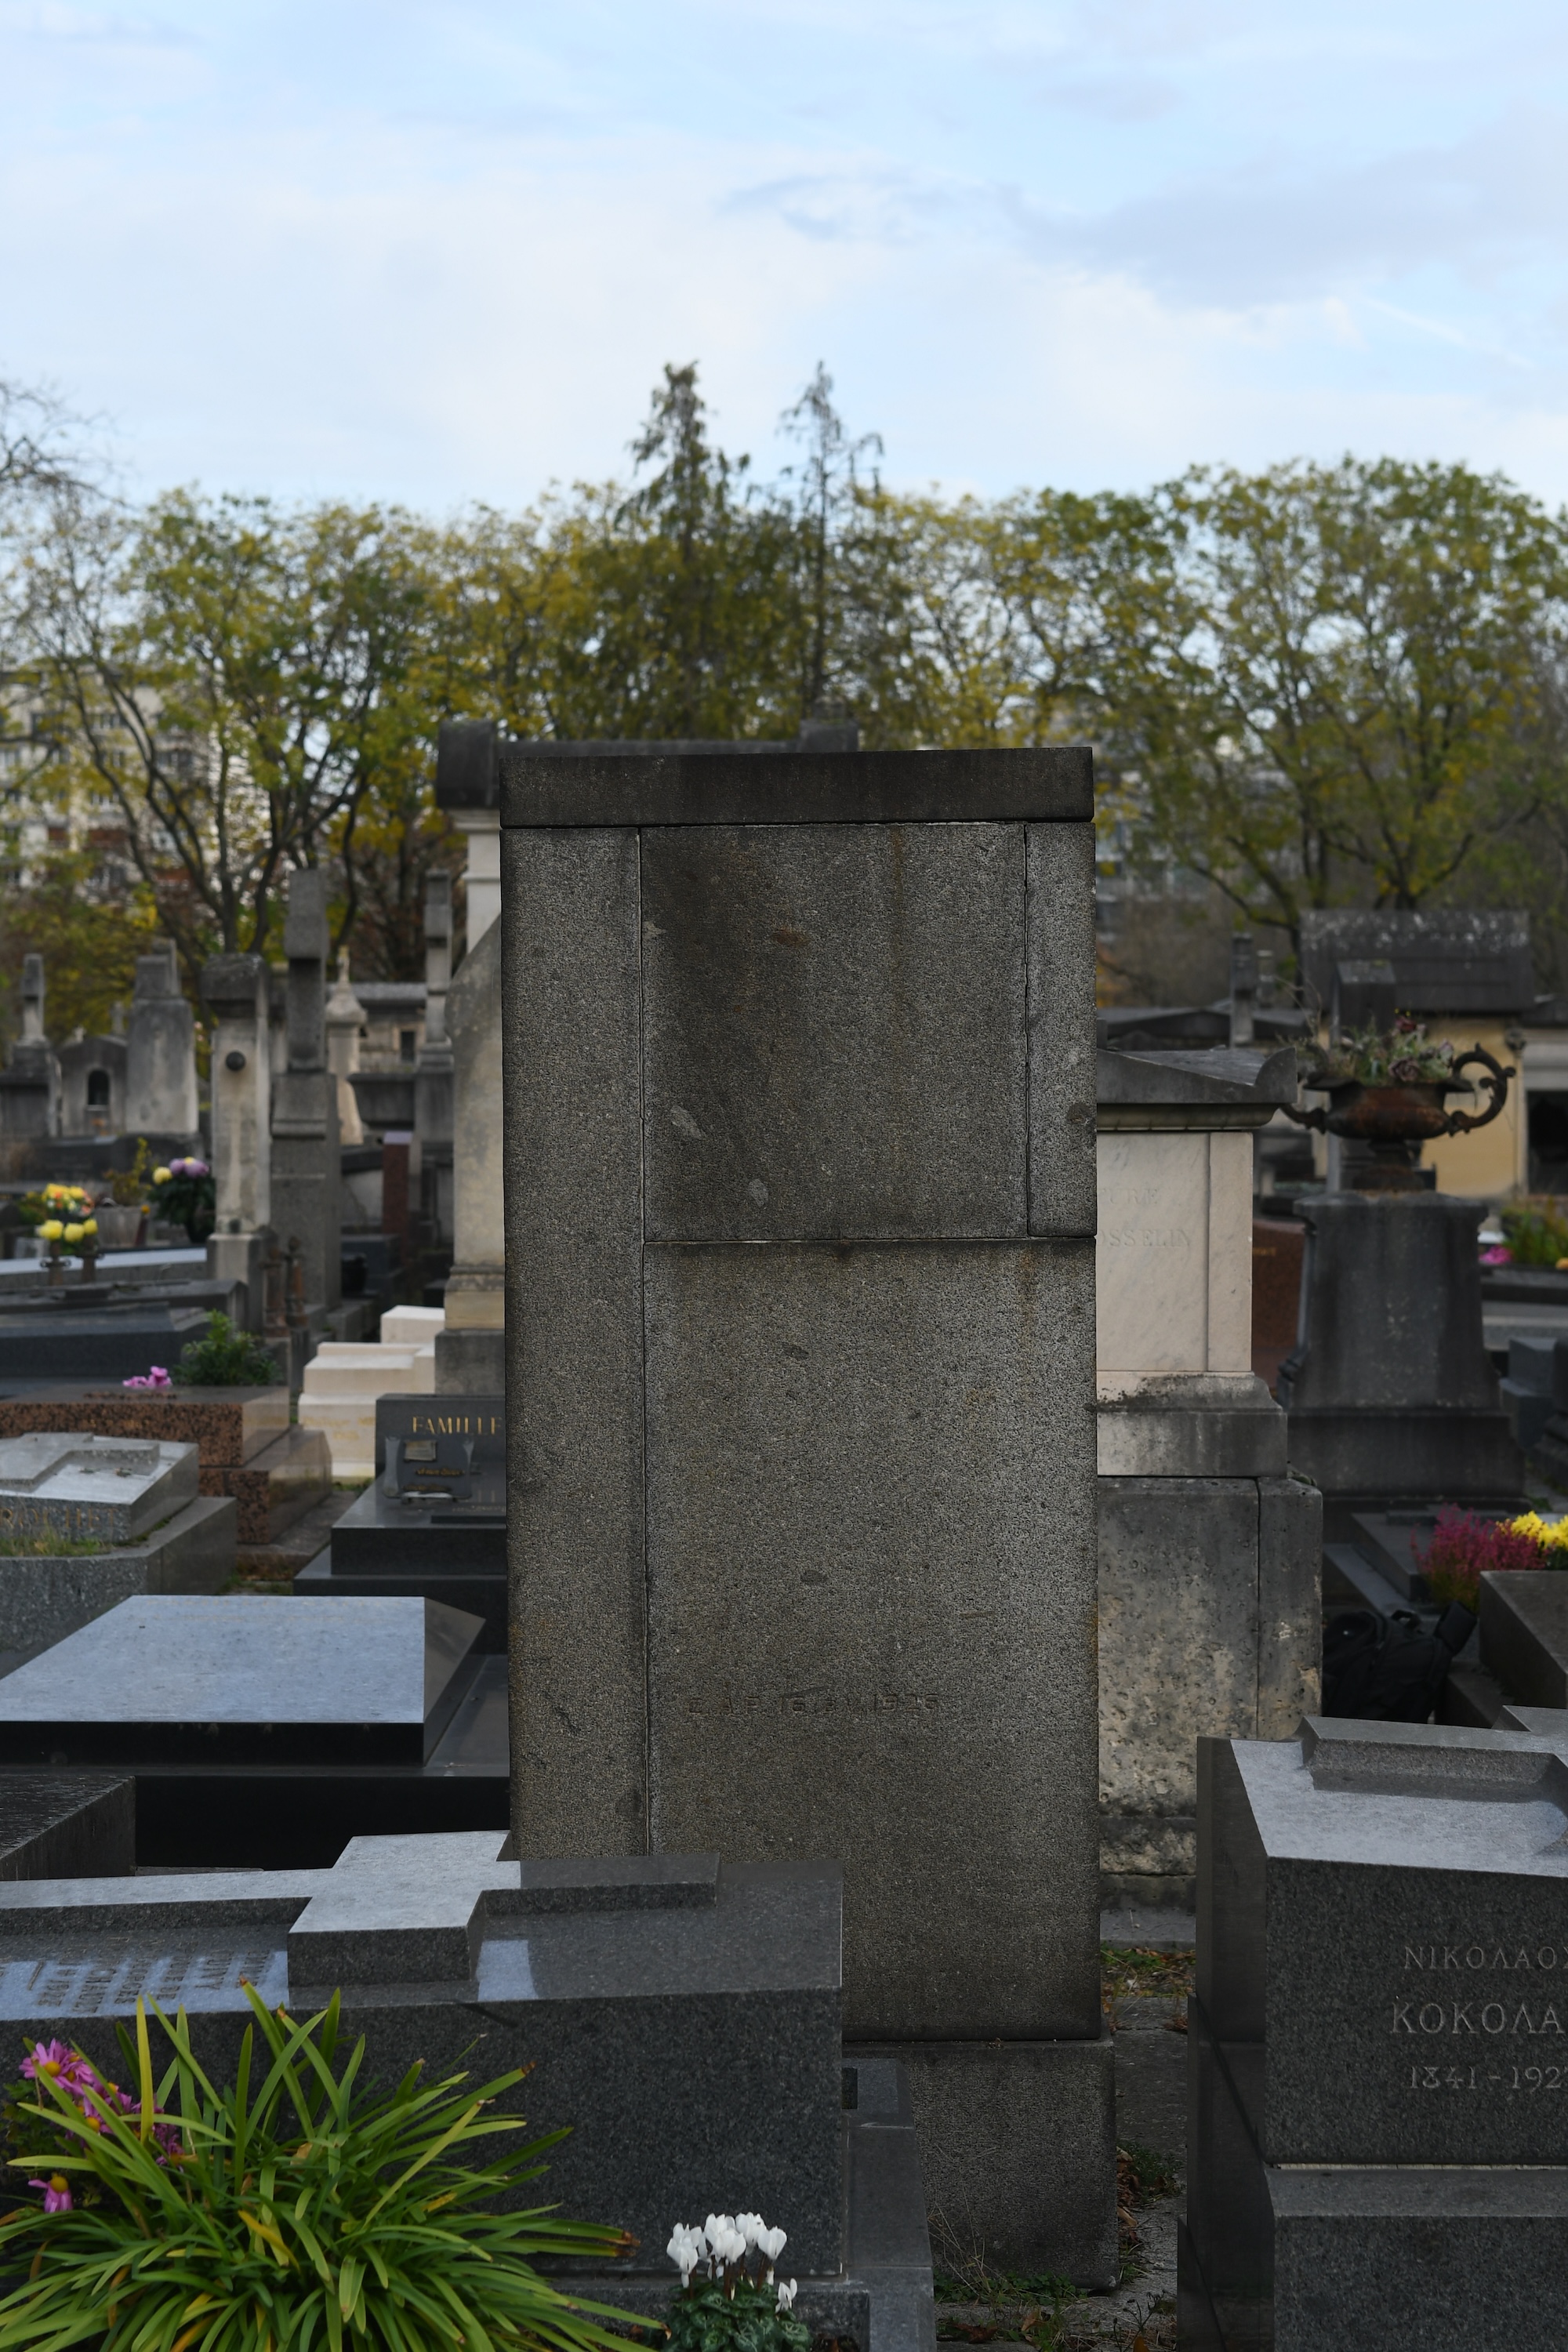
(1480,2078)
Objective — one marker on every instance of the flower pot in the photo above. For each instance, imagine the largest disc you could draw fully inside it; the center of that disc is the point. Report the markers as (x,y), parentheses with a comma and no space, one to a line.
(117,1228)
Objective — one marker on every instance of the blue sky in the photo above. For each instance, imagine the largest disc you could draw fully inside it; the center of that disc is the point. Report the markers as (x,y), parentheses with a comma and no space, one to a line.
(440,253)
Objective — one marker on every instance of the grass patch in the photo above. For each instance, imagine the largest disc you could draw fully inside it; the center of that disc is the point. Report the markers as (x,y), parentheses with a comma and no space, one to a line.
(1133,1967)
(59,1546)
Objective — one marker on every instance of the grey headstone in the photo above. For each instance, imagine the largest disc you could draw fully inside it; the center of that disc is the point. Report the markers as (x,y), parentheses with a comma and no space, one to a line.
(161,1052)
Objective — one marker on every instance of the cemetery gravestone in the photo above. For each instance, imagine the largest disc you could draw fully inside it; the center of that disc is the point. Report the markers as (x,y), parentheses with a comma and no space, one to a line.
(432,1521)
(235,989)
(30,1088)
(1210,1607)
(799,1072)
(470,1351)
(306,1174)
(160,1053)
(261,1734)
(1377,2043)
(91,1489)
(1390,1392)
(678,2015)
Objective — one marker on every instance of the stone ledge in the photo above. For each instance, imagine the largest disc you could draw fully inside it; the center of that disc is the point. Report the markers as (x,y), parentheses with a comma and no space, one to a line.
(1052,786)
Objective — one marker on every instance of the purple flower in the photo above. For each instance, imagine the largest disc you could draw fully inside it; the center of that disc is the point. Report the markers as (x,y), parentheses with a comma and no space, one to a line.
(1499,1254)
(57,2192)
(156,1378)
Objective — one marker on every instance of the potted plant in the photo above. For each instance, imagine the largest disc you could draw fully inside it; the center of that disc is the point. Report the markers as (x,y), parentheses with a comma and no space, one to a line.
(185,1195)
(62,1214)
(123,1214)
(1386,1089)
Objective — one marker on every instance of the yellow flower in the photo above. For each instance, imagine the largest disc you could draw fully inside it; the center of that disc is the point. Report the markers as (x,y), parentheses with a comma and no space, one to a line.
(73,1233)
(52,1231)
(90,1225)
(160,1175)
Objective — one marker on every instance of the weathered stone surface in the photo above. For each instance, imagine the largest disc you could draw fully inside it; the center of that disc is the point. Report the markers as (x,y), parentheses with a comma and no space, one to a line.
(1289,1604)
(833,1031)
(574,1441)
(84,1488)
(477,1286)
(1041,786)
(1179,1629)
(1027,2130)
(227,1426)
(160,1058)
(44,1598)
(1059,864)
(1524,1634)
(863,1581)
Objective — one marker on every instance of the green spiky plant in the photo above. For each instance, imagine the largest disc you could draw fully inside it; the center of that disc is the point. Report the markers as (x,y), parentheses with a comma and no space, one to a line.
(315,2214)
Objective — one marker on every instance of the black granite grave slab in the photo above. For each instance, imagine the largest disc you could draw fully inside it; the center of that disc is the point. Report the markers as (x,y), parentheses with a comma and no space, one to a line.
(59,1824)
(50,1342)
(218,1680)
(381,1534)
(481,1596)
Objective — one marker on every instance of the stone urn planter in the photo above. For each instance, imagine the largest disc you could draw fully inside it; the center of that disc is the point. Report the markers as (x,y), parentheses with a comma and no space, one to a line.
(117,1228)
(1396,1120)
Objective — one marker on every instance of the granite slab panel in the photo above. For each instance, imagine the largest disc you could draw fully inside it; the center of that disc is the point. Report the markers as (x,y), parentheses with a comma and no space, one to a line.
(694,2050)
(1390,1902)
(109,1343)
(1179,1630)
(43,1598)
(871,1567)
(1049,786)
(1016,2139)
(482,1596)
(1289,1604)
(833,1023)
(366,1680)
(277,1486)
(228,1426)
(1060,868)
(380,1533)
(67,1825)
(573,1320)
(1524,1634)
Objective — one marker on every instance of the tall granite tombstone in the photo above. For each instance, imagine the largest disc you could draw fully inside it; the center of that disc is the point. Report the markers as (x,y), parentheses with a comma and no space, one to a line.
(30,1084)
(307,1172)
(799,1058)
(1390,1394)
(1210,1608)
(470,1352)
(161,1052)
(235,990)
(1378,2047)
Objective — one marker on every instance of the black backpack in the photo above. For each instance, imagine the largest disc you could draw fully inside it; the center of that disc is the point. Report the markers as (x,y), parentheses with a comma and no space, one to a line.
(1386,1670)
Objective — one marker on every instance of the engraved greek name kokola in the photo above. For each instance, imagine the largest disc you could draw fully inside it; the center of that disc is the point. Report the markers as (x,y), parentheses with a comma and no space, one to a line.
(1475,2016)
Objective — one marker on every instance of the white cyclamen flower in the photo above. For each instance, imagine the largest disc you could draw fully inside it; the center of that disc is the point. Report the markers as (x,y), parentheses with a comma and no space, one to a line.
(786,2289)
(773,2243)
(686,2249)
(750,2226)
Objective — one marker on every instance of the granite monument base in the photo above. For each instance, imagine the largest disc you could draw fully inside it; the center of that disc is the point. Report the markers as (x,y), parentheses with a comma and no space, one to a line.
(680,2014)
(470,1362)
(1210,1624)
(45,1597)
(1015,2138)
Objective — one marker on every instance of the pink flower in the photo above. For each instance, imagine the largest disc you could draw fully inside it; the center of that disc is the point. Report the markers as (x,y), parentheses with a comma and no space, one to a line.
(1499,1254)
(156,1378)
(57,2192)
(48,2058)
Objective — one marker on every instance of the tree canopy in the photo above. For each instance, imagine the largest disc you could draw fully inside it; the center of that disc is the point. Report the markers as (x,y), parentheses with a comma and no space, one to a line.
(1311,685)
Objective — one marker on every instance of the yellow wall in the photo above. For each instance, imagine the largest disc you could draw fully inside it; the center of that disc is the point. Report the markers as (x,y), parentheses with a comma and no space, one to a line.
(1495,1161)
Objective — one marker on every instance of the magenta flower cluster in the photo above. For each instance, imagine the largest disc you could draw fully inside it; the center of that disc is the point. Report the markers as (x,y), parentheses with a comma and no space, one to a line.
(82,2084)
(156,1378)
(189,1168)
